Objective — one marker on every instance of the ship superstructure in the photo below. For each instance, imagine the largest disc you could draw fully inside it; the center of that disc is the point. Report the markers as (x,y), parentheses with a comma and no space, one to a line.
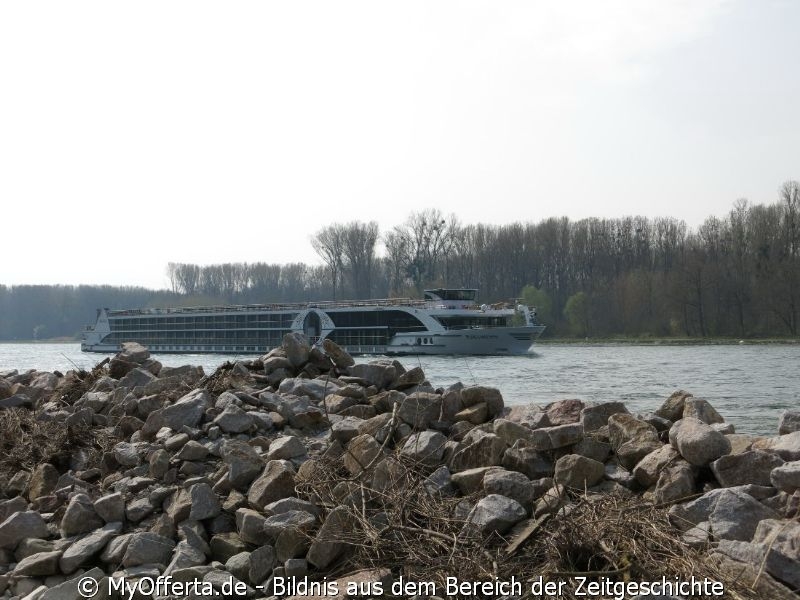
(447,321)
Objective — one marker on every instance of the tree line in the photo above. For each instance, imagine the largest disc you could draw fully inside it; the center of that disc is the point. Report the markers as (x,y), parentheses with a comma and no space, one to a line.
(735,275)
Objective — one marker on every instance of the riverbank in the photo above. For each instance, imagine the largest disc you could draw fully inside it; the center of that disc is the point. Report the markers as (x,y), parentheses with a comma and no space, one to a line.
(302,463)
(630,340)
(645,341)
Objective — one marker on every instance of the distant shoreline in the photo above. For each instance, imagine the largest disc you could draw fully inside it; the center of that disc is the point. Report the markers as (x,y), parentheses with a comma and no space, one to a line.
(52,341)
(613,341)
(633,341)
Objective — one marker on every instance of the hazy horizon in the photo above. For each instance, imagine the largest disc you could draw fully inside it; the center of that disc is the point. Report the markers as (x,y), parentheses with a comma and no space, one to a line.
(132,136)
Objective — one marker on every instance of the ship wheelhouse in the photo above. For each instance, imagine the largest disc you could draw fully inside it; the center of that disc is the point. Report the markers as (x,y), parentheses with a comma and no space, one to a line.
(451,298)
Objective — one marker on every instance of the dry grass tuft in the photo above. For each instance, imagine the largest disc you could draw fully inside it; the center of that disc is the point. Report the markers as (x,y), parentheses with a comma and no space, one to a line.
(221,380)
(398,525)
(81,381)
(619,538)
(26,442)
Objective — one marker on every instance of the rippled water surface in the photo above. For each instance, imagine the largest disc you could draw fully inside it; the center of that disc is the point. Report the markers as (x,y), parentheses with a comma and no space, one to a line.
(750,385)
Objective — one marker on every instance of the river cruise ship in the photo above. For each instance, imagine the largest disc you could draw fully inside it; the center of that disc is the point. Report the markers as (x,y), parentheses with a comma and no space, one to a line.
(447,321)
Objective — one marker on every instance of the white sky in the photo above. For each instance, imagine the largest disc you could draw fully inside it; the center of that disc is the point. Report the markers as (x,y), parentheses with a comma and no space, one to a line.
(133,134)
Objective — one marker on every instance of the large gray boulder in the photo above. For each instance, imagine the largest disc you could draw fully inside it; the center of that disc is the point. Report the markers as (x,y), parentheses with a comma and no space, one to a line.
(563,412)
(697,442)
(133,352)
(420,409)
(495,513)
(314,389)
(71,590)
(631,439)
(298,520)
(647,470)
(475,414)
(789,422)
(43,481)
(781,534)
(688,514)
(297,348)
(136,377)
(510,432)
(753,467)
(187,411)
(675,482)
(561,436)
(40,564)
(775,562)
(127,454)
(346,429)
(736,515)
(20,525)
(509,484)
(244,463)
(191,450)
(286,504)
(84,549)
(262,561)
(672,408)
(250,525)
(285,447)
(787,477)
(592,447)
(528,461)
(9,507)
(234,420)
(702,411)
(786,446)
(147,548)
(594,417)
(471,480)
(486,451)
(80,516)
(339,357)
(329,544)
(477,394)
(580,472)
(185,556)
(360,453)
(205,504)
(276,482)
(379,373)
(426,447)
(111,507)
(413,377)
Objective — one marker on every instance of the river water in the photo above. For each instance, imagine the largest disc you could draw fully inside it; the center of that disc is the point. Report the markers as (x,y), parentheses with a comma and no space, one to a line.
(750,385)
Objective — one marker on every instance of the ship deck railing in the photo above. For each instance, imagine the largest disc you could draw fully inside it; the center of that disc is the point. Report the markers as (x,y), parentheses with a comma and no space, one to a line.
(272,307)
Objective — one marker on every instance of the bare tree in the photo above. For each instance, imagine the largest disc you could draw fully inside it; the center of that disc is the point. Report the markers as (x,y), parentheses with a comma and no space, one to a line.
(425,240)
(172,275)
(396,260)
(329,244)
(359,253)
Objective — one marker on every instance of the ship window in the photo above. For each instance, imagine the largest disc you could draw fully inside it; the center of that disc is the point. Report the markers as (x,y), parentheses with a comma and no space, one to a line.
(462,295)
(419,341)
(393,320)
(473,322)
